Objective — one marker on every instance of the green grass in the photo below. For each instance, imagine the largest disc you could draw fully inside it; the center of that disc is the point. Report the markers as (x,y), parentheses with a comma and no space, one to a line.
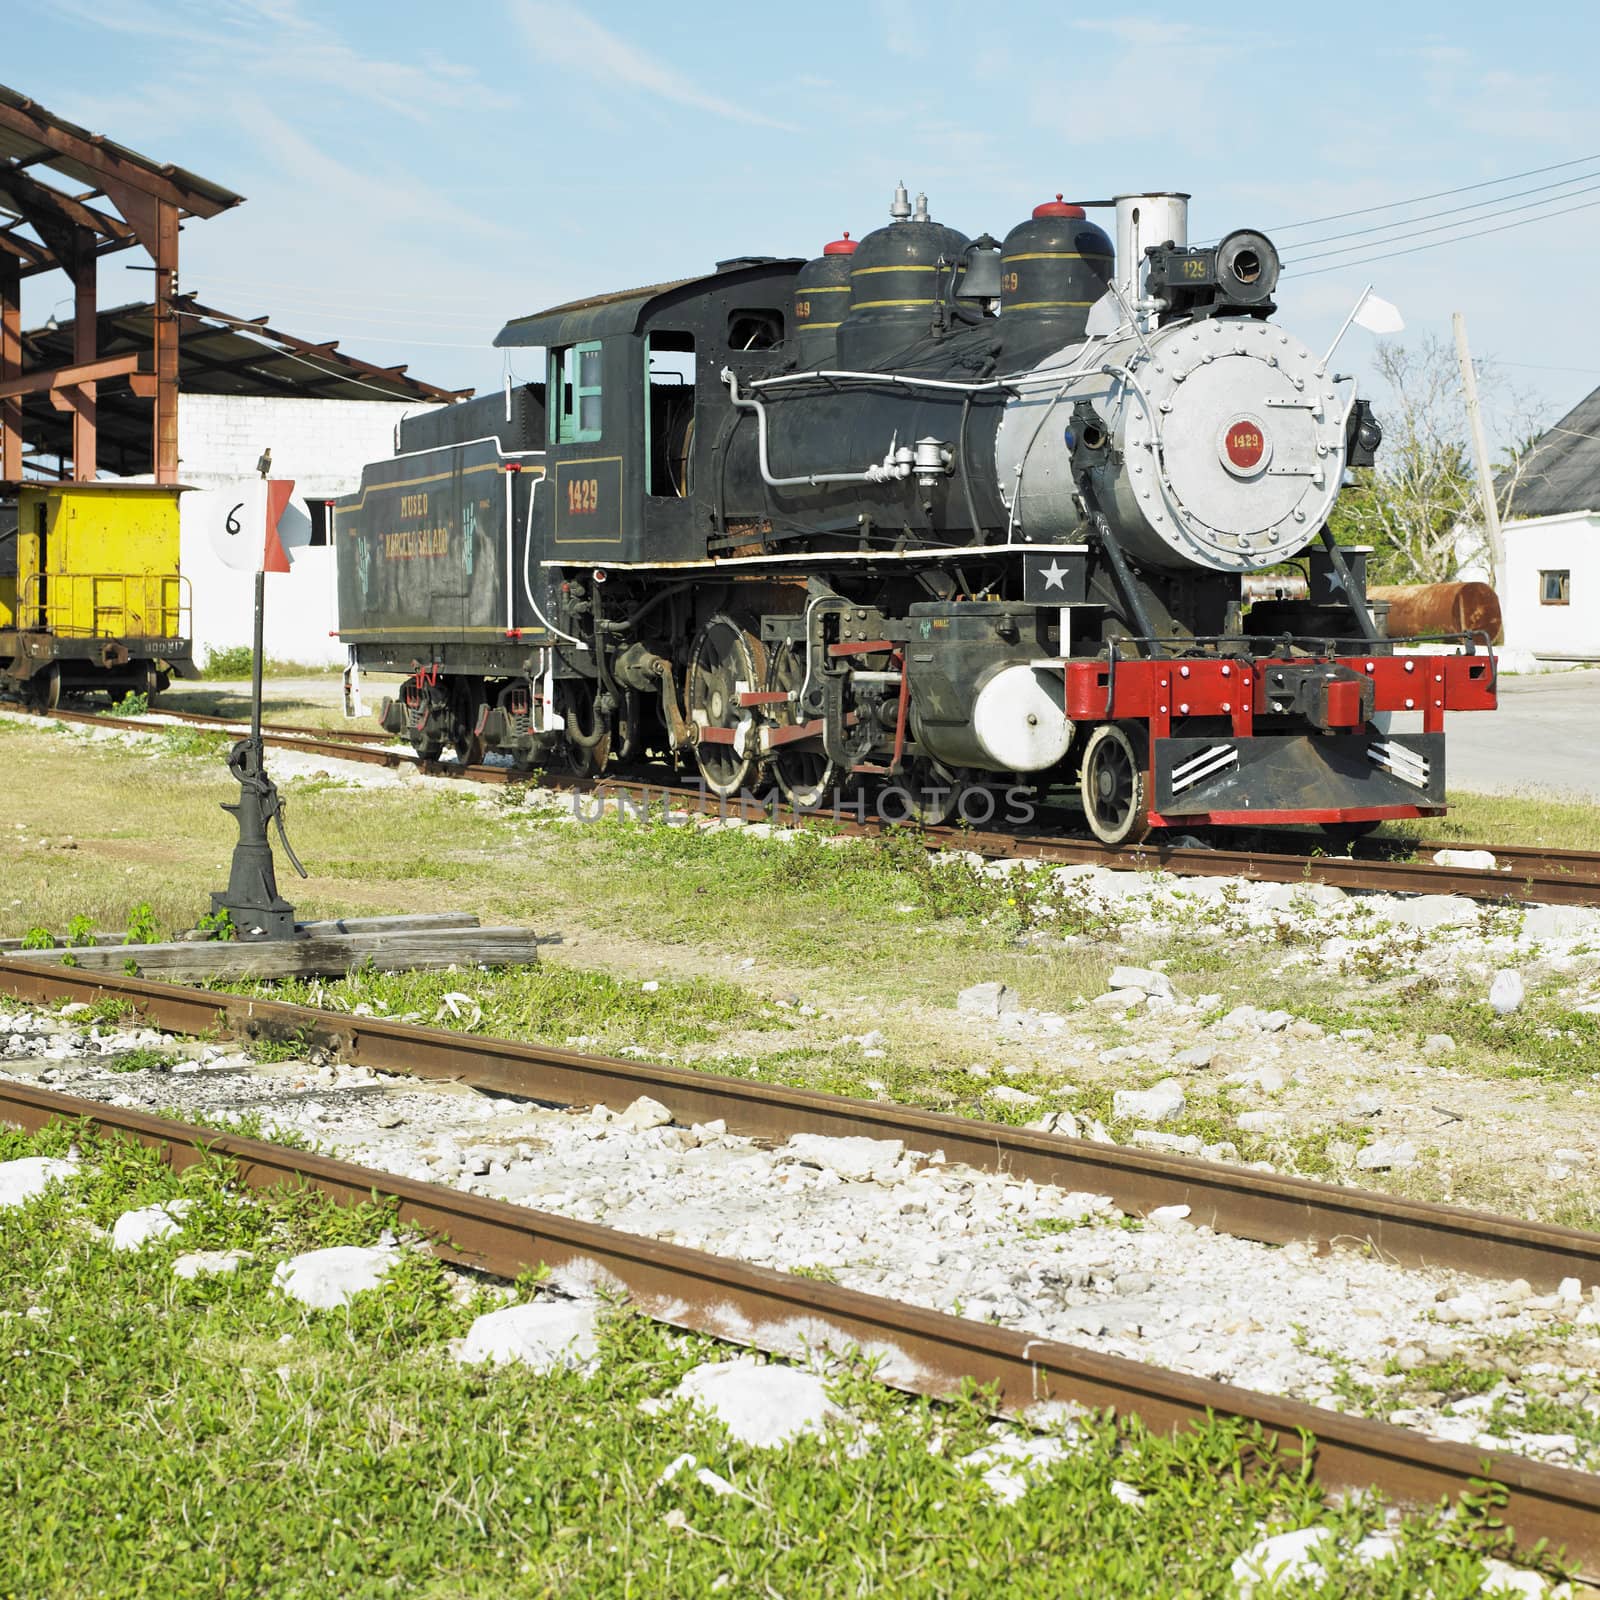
(197,1438)
(1506,819)
(545,1003)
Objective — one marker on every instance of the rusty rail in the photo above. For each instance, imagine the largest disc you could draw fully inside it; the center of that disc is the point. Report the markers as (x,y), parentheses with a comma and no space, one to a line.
(1541,876)
(1269,1207)
(927,1352)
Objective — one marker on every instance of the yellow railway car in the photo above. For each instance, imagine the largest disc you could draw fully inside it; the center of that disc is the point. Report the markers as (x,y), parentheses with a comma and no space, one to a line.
(90,593)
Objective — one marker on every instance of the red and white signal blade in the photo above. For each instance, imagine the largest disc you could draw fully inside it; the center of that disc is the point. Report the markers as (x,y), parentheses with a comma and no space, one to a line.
(245,533)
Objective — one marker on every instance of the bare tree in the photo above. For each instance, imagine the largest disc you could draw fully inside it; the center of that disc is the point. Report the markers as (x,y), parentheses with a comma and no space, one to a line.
(1419,508)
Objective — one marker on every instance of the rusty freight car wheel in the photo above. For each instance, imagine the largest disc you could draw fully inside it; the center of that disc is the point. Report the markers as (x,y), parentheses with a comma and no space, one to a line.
(804,773)
(43,690)
(1112,783)
(728,660)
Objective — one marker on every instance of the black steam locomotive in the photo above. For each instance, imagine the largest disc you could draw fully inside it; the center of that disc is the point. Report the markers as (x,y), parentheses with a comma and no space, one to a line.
(928,510)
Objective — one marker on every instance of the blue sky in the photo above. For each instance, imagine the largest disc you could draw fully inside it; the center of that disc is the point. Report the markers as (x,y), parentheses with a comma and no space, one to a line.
(416,174)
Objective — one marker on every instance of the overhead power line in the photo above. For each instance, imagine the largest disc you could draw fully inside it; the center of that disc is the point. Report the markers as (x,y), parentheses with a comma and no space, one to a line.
(1475,233)
(1454,211)
(1445,227)
(1438,194)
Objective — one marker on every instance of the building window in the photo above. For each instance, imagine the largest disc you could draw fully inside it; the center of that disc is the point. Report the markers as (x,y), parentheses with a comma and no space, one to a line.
(1555,588)
(320,512)
(575,376)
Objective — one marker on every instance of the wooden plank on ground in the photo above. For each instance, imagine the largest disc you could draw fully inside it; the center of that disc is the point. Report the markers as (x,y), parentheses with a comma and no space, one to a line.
(321,955)
(403,922)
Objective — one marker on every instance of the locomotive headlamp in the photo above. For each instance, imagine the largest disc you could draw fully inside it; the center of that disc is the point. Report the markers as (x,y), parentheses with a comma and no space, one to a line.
(1247,267)
(1237,274)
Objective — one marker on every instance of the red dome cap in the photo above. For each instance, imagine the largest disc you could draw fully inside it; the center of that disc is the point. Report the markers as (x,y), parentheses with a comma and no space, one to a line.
(1057,208)
(841,247)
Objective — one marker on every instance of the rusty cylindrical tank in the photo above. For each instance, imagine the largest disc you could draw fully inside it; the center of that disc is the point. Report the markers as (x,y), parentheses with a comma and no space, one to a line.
(1417,610)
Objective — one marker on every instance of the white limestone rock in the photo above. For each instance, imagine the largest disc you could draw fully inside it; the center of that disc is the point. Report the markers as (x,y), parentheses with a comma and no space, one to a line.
(28,1176)
(1007,1096)
(759,1404)
(1144,979)
(1010,1464)
(1284,1558)
(1466,860)
(1387,1155)
(209,1263)
(1158,1104)
(542,1335)
(133,1230)
(1507,991)
(326,1279)
(854,1157)
(986,1000)
(1260,1121)
(644,1113)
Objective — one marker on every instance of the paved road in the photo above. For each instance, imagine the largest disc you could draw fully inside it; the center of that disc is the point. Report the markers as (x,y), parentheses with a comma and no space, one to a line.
(1545,737)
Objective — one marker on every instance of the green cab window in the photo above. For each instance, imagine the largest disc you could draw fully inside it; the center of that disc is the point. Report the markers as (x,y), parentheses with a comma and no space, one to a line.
(575,376)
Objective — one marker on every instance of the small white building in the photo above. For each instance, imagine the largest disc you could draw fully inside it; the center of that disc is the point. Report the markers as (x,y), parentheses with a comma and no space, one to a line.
(1550,589)
(246,389)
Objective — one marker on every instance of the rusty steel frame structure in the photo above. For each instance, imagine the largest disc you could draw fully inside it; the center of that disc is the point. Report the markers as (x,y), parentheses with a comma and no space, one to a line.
(150,201)
(917,1350)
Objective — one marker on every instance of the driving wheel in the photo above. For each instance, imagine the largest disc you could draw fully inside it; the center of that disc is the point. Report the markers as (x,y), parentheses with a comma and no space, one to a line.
(803,771)
(727,661)
(1113,784)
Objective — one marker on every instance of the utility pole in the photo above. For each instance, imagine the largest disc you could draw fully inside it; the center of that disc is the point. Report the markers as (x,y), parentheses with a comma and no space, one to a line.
(1480,451)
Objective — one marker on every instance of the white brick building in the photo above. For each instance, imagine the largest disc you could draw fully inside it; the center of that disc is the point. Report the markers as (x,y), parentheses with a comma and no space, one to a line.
(1550,589)
(244,389)
(320,444)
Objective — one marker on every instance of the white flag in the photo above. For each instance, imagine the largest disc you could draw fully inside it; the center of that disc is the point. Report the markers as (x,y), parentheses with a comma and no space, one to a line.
(1376,315)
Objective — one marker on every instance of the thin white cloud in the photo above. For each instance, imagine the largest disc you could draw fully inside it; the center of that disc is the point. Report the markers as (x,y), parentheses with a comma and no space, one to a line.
(563,35)
(276,39)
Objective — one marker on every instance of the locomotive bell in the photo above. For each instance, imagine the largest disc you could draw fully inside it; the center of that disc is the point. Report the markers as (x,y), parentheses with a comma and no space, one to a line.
(982,278)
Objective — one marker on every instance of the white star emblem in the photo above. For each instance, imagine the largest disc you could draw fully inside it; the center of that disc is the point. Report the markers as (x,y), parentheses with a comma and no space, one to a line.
(1053,576)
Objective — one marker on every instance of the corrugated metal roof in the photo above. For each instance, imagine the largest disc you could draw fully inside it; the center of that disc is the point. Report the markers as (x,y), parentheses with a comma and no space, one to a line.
(594,318)
(1562,472)
(198,196)
(218,353)
(622,310)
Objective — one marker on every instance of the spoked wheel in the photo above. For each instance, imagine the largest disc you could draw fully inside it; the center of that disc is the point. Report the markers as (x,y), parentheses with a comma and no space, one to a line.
(43,691)
(932,790)
(804,774)
(1113,784)
(588,734)
(727,660)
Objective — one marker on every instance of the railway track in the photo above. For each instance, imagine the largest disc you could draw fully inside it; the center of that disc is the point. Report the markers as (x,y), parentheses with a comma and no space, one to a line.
(1268,1207)
(920,1350)
(1525,874)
